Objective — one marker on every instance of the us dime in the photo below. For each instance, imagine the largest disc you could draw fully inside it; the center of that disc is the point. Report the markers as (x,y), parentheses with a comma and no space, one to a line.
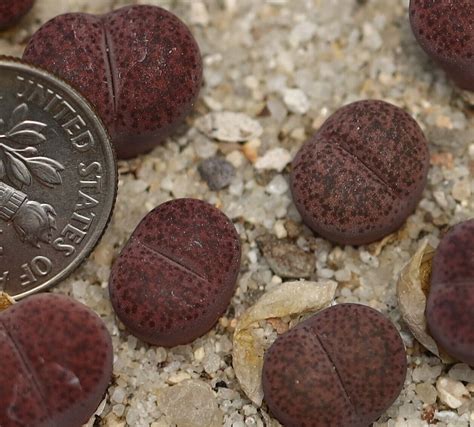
(58,179)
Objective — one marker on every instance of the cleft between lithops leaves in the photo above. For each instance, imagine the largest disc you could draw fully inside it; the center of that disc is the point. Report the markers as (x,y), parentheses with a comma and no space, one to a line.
(412,291)
(288,299)
(5,301)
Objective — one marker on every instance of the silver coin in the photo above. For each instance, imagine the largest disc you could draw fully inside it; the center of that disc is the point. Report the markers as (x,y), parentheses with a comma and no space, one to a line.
(58,179)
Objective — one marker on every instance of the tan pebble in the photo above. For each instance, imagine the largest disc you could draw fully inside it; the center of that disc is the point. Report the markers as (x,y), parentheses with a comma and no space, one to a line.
(440,198)
(178,377)
(250,150)
(276,280)
(318,122)
(426,392)
(293,229)
(224,322)
(444,122)
(442,159)
(5,301)
(198,13)
(452,393)
(236,158)
(274,159)
(280,326)
(299,134)
(280,230)
(199,354)
(461,190)
(212,103)
(103,254)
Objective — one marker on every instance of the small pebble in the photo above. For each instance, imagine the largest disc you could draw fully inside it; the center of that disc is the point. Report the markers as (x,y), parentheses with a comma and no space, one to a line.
(296,101)
(217,172)
(452,393)
(11,11)
(140,66)
(274,159)
(229,126)
(450,305)
(286,259)
(342,367)
(362,174)
(445,30)
(176,275)
(462,190)
(277,186)
(427,393)
(462,372)
(190,403)
(56,362)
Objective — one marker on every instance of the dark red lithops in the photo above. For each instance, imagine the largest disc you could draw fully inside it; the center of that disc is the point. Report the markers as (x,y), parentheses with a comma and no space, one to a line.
(342,367)
(450,305)
(56,362)
(11,11)
(362,174)
(445,30)
(177,273)
(139,66)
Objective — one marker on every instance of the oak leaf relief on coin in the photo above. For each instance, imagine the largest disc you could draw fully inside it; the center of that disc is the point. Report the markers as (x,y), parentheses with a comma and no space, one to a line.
(20,164)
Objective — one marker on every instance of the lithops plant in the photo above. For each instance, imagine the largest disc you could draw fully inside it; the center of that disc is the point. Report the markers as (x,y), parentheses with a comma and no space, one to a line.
(11,11)
(362,174)
(139,66)
(177,273)
(445,31)
(450,306)
(56,362)
(342,367)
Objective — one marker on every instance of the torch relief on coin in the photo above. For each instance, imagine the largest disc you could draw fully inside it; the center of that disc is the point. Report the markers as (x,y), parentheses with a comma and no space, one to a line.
(58,179)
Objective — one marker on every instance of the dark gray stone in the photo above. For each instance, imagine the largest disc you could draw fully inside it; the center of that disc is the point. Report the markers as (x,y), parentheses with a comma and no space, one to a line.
(217,172)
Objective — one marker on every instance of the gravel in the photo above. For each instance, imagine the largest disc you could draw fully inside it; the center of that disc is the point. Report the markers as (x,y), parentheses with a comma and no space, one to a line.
(217,172)
(274,71)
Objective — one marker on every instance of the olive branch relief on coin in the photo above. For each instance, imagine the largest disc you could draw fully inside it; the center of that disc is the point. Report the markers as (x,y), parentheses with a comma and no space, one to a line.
(20,165)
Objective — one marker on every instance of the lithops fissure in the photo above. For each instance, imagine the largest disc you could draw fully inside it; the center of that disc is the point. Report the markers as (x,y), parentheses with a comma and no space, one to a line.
(139,66)
(362,174)
(341,367)
(450,307)
(177,273)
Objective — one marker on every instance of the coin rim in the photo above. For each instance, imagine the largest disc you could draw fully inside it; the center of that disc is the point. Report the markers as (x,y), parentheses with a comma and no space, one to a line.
(7,62)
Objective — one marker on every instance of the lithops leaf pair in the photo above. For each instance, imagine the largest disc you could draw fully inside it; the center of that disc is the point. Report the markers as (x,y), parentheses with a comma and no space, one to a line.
(436,295)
